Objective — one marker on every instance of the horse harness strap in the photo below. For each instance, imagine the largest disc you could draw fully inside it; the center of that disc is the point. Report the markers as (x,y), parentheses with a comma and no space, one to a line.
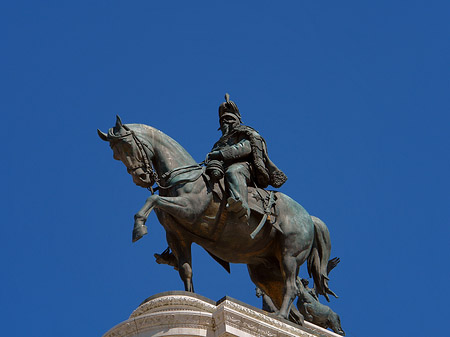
(183,169)
(168,175)
(266,215)
(140,147)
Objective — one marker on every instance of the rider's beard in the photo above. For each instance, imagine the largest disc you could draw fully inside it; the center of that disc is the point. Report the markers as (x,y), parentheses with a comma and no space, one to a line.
(225,128)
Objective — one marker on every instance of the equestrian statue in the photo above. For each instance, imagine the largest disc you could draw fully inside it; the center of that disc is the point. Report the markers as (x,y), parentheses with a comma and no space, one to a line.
(221,204)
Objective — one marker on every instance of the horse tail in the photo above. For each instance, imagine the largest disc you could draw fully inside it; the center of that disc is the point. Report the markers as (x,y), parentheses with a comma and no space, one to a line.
(318,258)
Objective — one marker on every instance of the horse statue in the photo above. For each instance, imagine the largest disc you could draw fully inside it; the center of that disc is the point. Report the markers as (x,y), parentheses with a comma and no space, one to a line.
(192,208)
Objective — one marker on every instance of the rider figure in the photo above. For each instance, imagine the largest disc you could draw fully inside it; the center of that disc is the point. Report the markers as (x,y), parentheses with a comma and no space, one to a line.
(243,153)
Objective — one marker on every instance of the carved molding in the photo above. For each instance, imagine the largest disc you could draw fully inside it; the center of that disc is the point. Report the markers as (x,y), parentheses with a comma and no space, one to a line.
(263,318)
(122,330)
(254,323)
(175,314)
(319,331)
(196,322)
(173,302)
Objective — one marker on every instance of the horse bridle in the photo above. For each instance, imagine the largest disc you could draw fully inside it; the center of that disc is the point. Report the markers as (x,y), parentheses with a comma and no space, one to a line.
(148,167)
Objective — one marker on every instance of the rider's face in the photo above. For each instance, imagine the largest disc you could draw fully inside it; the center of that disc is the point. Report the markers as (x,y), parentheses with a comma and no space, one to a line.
(227,123)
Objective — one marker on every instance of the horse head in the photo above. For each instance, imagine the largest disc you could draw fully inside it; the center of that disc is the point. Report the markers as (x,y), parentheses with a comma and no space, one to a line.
(136,154)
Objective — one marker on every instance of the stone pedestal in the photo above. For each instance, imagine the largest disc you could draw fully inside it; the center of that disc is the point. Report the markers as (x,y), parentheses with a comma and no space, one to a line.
(179,313)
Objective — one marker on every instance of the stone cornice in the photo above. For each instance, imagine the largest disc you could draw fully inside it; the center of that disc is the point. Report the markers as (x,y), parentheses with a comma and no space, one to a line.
(183,313)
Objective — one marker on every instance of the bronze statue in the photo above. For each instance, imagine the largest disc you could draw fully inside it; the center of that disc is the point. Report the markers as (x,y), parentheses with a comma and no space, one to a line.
(243,154)
(314,311)
(308,304)
(269,306)
(192,208)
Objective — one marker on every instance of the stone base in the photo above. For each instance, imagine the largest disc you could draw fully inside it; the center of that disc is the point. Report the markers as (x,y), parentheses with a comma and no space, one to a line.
(180,313)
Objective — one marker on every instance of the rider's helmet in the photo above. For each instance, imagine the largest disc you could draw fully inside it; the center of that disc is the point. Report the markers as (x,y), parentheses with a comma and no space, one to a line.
(229,108)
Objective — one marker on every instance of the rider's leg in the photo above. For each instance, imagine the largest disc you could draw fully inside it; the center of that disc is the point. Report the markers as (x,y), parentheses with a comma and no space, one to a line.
(237,177)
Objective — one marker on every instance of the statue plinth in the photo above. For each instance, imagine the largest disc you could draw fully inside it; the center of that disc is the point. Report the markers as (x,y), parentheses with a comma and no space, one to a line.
(180,313)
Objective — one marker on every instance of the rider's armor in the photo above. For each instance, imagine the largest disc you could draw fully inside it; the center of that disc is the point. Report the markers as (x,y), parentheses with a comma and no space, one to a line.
(245,160)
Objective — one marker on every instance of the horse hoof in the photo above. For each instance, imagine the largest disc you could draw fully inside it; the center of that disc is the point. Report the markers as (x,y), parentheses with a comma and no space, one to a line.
(139,232)
(279,315)
(159,259)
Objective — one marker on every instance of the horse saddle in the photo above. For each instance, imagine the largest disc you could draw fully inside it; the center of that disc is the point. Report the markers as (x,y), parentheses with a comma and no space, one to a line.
(260,201)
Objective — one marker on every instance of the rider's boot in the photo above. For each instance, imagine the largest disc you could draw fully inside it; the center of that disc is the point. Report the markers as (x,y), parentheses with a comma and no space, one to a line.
(237,177)
(239,207)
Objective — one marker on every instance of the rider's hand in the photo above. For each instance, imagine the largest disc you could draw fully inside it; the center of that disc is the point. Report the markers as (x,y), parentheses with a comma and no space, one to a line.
(214,155)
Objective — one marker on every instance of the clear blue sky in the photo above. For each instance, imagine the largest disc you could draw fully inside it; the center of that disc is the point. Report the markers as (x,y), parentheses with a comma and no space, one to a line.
(351,96)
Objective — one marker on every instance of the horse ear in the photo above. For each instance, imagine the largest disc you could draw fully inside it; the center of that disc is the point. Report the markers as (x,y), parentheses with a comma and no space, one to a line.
(118,122)
(102,135)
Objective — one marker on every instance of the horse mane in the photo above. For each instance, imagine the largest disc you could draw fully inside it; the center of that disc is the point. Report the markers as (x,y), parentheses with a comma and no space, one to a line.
(146,132)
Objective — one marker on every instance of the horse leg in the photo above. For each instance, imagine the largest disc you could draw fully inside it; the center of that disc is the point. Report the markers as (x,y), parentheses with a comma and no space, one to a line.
(294,247)
(268,303)
(182,251)
(267,278)
(290,271)
(307,314)
(176,206)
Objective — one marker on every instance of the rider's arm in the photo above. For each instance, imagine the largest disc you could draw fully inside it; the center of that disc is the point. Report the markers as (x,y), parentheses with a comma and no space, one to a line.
(236,151)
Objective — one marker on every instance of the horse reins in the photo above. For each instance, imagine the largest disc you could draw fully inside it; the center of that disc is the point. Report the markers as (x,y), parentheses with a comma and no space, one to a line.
(166,176)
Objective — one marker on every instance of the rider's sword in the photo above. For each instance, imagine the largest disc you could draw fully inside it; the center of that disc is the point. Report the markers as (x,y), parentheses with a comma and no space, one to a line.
(266,214)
